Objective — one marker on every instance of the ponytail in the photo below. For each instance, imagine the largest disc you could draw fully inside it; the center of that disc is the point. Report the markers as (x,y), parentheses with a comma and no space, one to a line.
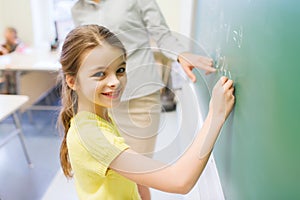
(68,111)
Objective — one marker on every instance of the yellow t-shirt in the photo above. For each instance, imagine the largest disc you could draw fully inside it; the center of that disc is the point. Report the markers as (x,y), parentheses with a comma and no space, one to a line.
(93,144)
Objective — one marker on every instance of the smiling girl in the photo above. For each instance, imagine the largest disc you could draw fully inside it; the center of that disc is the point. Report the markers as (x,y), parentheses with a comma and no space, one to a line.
(104,167)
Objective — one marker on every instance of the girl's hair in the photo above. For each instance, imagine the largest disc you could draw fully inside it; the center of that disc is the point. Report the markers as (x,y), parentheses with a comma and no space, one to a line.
(77,44)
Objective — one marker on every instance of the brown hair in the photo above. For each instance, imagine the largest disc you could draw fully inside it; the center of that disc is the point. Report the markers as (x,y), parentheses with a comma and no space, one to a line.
(77,44)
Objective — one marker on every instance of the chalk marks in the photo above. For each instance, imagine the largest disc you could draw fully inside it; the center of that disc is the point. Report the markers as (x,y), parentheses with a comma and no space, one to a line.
(221,64)
(238,36)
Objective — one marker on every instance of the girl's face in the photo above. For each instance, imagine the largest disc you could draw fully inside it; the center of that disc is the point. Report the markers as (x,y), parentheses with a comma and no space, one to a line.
(101,79)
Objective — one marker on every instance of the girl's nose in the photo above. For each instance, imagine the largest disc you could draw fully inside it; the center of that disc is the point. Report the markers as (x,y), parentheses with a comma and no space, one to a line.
(113,81)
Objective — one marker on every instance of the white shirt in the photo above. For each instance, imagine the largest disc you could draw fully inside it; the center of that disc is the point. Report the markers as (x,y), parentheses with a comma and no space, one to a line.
(134,22)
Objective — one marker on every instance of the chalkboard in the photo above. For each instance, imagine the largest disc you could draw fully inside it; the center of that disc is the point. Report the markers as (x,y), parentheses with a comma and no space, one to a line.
(257,44)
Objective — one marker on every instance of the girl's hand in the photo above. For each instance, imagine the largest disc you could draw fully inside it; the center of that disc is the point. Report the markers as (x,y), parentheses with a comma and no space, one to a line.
(222,99)
(188,61)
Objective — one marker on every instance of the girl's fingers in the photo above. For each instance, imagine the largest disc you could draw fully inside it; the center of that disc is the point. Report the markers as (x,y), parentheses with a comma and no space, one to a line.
(223,80)
(230,91)
(228,84)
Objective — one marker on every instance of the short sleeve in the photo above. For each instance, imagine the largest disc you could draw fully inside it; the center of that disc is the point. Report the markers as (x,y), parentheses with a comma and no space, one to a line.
(101,142)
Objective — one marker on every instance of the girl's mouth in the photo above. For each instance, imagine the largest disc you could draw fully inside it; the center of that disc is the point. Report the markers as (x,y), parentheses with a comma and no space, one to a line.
(112,95)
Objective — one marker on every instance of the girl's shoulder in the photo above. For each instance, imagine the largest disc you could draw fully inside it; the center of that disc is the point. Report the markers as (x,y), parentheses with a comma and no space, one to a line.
(87,121)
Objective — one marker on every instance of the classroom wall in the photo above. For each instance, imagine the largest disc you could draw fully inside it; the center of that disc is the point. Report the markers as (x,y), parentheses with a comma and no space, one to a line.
(257,44)
(179,17)
(172,16)
(1,24)
(17,14)
(32,19)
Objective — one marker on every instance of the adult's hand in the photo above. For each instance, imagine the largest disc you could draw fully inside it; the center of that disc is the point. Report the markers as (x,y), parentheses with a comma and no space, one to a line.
(189,61)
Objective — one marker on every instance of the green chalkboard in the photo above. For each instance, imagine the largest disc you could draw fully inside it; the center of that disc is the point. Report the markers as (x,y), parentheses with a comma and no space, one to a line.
(257,43)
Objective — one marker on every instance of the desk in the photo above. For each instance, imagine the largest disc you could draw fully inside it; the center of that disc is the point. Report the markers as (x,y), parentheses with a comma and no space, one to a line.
(9,104)
(41,67)
(31,59)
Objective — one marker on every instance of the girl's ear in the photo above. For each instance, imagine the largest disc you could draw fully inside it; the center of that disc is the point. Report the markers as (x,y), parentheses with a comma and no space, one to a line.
(71,82)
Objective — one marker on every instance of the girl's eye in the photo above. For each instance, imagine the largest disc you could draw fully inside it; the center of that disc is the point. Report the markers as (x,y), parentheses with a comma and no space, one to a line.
(121,70)
(99,74)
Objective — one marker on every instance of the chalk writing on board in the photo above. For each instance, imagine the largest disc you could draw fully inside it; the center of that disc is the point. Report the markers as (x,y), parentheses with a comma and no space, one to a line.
(221,64)
(238,36)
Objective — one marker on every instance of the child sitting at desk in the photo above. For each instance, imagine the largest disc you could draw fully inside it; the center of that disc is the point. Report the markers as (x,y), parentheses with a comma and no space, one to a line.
(12,43)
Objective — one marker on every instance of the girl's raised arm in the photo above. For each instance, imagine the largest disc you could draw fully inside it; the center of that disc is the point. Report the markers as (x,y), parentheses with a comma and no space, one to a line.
(181,176)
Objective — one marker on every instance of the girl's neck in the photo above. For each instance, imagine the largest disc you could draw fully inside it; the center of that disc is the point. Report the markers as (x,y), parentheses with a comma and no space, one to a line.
(98,110)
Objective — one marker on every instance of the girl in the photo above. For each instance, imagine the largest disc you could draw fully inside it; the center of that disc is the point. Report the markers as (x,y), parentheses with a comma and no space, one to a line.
(139,23)
(104,167)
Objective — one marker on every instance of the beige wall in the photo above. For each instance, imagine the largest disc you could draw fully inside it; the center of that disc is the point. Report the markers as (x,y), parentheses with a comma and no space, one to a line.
(171,13)
(179,15)
(33,30)
(32,19)
(1,21)
(18,15)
